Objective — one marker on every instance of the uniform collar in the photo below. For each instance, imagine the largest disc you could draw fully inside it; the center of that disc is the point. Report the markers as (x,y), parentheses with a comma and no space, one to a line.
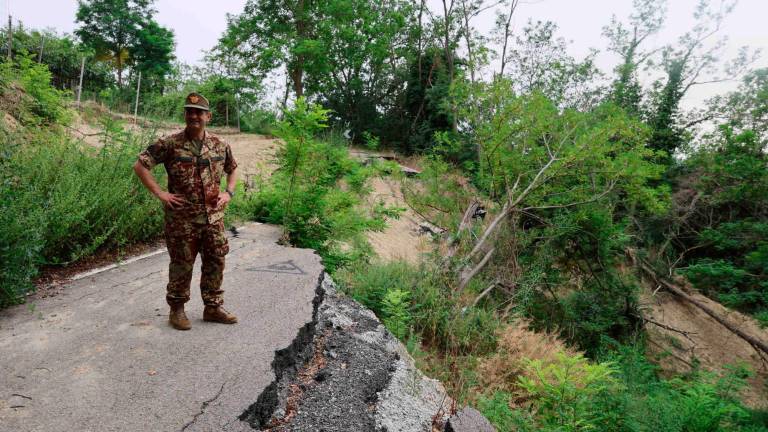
(205,148)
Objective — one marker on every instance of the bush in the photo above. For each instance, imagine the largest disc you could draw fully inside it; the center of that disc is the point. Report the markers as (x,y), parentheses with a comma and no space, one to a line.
(317,192)
(61,200)
(564,394)
(496,409)
(258,121)
(435,318)
(620,392)
(27,85)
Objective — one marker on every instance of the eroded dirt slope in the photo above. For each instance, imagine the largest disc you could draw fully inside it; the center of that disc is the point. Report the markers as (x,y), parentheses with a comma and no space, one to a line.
(705,340)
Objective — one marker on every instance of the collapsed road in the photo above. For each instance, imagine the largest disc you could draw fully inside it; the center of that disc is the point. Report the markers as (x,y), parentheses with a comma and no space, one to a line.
(100,356)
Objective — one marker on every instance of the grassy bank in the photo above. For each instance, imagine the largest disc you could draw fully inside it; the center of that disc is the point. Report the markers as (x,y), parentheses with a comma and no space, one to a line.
(60,199)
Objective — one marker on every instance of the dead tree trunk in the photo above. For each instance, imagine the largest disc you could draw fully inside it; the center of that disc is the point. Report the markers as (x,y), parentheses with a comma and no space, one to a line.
(758,345)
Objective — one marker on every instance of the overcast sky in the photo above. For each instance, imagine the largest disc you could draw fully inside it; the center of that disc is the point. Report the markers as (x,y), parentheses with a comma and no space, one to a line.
(198,24)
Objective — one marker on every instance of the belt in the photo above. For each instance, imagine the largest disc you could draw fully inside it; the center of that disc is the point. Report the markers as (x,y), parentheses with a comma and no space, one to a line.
(199,161)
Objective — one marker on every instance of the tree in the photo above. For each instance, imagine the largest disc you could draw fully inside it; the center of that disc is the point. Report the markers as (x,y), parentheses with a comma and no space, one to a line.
(62,54)
(273,33)
(503,31)
(692,63)
(112,27)
(626,41)
(540,62)
(153,54)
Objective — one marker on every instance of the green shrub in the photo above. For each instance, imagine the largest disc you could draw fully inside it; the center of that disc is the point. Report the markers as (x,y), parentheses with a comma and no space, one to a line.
(434,316)
(564,393)
(317,194)
(496,409)
(61,200)
(258,121)
(29,83)
(396,316)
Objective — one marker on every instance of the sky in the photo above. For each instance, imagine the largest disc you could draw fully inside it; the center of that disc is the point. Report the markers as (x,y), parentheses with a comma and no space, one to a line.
(198,24)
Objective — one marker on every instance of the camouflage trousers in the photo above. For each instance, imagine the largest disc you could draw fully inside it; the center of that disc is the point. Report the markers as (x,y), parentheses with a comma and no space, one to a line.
(185,239)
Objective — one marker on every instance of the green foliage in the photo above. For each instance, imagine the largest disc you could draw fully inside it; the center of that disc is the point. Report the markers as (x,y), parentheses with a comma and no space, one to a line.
(541,63)
(396,316)
(575,179)
(565,394)
(496,409)
(425,104)
(622,392)
(259,121)
(153,54)
(305,193)
(63,200)
(30,82)
(762,318)
(667,134)
(434,316)
(123,32)
(346,54)
(62,54)
(724,237)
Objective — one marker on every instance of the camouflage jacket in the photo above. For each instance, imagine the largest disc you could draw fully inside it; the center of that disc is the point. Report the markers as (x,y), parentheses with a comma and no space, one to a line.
(196,178)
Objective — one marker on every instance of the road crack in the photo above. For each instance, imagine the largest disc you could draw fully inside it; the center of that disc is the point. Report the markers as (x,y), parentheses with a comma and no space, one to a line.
(202,408)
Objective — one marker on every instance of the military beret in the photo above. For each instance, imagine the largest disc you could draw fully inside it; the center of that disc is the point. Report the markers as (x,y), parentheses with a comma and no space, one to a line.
(196,100)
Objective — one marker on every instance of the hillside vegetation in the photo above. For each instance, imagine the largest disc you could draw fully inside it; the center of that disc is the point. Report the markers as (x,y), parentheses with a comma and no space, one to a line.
(568,196)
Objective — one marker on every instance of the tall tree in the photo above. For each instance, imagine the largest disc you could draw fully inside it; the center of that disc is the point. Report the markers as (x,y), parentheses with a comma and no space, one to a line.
(153,53)
(540,62)
(626,41)
(112,27)
(273,33)
(693,62)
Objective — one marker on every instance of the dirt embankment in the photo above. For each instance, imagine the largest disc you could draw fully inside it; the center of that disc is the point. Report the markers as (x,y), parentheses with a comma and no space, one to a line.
(692,337)
(255,154)
(403,239)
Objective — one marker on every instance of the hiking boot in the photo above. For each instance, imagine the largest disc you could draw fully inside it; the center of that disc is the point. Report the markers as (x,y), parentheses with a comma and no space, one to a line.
(218,314)
(178,319)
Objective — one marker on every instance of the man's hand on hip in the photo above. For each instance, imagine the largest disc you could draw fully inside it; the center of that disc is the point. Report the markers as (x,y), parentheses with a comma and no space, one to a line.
(171,200)
(224,199)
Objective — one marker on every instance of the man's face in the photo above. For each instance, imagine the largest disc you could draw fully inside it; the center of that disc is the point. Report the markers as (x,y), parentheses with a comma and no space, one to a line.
(196,118)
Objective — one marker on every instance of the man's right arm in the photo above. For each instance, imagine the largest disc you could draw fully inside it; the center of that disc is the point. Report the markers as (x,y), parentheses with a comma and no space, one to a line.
(169,199)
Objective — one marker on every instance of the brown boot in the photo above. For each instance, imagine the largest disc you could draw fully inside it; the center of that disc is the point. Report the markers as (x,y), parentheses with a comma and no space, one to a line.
(218,314)
(178,319)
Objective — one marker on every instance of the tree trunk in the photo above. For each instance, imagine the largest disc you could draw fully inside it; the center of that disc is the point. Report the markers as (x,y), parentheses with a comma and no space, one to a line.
(297,68)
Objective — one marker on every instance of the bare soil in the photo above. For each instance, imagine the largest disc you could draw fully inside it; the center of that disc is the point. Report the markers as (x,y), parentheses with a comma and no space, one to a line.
(706,341)
(403,239)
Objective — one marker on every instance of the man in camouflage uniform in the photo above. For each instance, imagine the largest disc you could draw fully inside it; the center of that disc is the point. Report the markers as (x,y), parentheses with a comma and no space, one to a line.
(194,209)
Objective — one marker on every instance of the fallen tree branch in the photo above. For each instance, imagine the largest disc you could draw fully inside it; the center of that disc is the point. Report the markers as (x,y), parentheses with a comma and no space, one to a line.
(484,293)
(466,278)
(671,354)
(466,222)
(758,345)
(672,329)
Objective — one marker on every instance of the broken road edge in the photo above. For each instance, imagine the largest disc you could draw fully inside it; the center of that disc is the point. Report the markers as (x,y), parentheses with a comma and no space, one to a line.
(345,371)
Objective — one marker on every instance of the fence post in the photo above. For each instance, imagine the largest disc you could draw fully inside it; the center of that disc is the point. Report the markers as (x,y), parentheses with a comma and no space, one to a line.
(10,38)
(237,111)
(136,106)
(80,85)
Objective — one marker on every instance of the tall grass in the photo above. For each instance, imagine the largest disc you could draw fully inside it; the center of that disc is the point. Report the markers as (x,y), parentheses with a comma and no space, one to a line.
(61,199)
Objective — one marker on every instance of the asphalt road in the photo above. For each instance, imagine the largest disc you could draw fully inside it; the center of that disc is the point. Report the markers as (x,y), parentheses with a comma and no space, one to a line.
(101,356)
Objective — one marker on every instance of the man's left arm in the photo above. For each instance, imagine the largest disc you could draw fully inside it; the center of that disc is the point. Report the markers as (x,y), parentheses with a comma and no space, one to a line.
(224,196)
(230,167)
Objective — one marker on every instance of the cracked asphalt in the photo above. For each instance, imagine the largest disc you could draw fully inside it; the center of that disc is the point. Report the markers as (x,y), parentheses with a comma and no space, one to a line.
(101,356)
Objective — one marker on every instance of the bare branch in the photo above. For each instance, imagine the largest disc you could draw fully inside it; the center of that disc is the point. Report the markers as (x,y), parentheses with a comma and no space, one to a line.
(465,278)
